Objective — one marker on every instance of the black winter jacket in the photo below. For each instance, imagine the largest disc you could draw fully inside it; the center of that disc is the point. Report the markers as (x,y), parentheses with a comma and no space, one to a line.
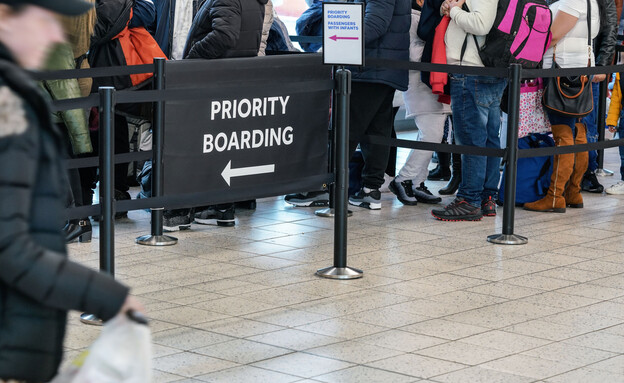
(38,284)
(606,40)
(226,28)
(386,34)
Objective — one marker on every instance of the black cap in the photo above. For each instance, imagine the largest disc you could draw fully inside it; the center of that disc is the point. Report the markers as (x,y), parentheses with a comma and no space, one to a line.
(63,7)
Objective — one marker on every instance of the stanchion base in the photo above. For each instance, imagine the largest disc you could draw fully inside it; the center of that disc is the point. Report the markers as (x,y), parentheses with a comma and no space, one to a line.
(329,213)
(91,320)
(604,172)
(507,239)
(156,240)
(340,273)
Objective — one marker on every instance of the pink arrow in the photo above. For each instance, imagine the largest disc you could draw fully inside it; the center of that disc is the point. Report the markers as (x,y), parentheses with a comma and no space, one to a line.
(335,38)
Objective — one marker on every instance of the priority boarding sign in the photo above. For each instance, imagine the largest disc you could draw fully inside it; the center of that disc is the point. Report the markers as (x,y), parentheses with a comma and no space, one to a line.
(343,33)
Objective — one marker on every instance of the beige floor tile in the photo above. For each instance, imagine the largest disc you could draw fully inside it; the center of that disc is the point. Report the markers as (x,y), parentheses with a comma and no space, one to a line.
(600,341)
(481,375)
(590,290)
(165,377)
(539,282)
(587,375)
(614,365)
(354,352)
(287,317)
(444,329)
(234,306)
(361,374)
(504,290)
(238,327)
(429,308)
(186,315)
(545,330)
(528,366)
(505,341)
(401,340)
(459,352)
(190,365)
(187,338)
(342,328)
(303,365)
(571,354)
(583,321)
(386,317)
(416,365)
(571,274)
(295,339)
(242,351)
(247,374)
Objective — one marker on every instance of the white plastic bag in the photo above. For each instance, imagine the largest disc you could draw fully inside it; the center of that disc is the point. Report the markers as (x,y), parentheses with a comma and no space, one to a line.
(121,354)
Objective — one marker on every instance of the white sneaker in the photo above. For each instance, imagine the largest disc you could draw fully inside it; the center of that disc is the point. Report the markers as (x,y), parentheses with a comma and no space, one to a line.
(618,188)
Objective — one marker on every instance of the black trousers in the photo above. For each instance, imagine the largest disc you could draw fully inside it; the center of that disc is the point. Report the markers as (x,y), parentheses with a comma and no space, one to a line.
(371,114)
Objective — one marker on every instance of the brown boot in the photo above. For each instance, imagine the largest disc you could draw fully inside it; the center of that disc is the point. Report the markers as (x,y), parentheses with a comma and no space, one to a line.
(562,169)
(572,193)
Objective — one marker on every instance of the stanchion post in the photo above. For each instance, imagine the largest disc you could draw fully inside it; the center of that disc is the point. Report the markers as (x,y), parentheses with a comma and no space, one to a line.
(329,212)
(156,238)
(602,111)
(107,176)
(340,270)
(511,165)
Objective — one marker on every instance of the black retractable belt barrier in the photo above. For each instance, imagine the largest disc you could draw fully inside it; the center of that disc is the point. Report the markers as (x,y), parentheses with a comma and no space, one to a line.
(340,270)
(107,176)
(602,109)
(156,238)
(511,163)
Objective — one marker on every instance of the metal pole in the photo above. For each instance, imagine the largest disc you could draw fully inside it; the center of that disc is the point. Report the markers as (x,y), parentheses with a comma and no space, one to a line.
(511,166)
(107,176)
(157,238)
(340,269)
(602,110)
(329,212)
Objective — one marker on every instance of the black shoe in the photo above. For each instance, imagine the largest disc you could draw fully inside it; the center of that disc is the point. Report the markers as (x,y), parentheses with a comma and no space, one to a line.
(78,229)
(423,195)
(314,199)
(370,200)
(440,173)
(121,196)
(488,207)
(177,219)
(455,180)
(211,215)
(590,183)
(458,210)
(404,192)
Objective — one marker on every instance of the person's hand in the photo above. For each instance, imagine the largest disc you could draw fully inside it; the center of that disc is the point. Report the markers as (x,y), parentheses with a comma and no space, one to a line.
(444,8)
(612,129)
(599,77)
(455,3)
(131,303)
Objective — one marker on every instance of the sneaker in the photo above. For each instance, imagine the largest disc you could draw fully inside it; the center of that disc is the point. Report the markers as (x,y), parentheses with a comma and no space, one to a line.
(616,189)
(370,199)
(176,220)
(488,207)
(424,195)
(590,183)
(211,215)
(404,191)
(315,199)
(458,210)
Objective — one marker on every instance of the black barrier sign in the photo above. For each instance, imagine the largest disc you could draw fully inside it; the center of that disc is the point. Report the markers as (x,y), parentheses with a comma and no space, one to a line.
(261,121)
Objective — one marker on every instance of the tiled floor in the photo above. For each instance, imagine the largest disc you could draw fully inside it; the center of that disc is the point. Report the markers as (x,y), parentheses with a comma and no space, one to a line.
(438,303)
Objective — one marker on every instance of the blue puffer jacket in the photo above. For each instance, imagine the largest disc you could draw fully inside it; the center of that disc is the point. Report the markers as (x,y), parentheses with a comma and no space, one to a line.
(387,24)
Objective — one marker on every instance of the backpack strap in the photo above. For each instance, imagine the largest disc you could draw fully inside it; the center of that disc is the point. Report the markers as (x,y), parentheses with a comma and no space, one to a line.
(465,44)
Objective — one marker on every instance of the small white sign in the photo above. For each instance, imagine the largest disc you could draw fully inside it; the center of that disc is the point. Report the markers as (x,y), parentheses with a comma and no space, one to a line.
(343,33)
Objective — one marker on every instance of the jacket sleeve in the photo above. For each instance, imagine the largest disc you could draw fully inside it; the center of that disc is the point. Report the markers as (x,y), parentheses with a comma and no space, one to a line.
(615,108)
(377,18)
(43,275)
(226,24)
(607,36)
(75,120)
(479,20)
(143,15)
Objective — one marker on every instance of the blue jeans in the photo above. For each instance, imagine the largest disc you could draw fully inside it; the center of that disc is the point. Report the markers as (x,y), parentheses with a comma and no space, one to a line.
(556,119)
(475,101)
(591,121)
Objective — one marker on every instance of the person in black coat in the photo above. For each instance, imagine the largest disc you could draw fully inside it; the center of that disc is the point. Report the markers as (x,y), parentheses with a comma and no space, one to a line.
(38,284)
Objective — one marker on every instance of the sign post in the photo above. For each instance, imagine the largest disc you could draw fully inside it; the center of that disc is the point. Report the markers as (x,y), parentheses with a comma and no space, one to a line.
(343,44)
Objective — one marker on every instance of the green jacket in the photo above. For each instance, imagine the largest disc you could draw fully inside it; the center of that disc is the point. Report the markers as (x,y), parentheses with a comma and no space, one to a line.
(75,121)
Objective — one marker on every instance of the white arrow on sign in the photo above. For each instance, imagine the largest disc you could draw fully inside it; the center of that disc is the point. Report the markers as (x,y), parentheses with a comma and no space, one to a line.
(228,172)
